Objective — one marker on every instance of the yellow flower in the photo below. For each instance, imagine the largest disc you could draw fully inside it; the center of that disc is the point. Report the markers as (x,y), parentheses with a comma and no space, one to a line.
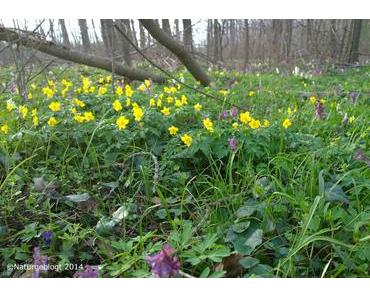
(159,102)
(33,86)
(48,92)
(128,101)
(173,130)
(122,122)
(266,123)
(92,89)
(245,117)
(117,106)
(235,125)
(151,102)
(254,124)
(178,103)
(187,139)
(251,93)
(142,87)
(108,79)
(4,128)
(52,122)
(138,112)
(198,107)
(10,105)
(289,110)
(89,116)
(166,111)
(101,80)
(351,119)
(79,118)
(73,110)
(184,100)
(78,102)
(322,101)
(55,106)
(147,83)
(224,92)
(35,119)
(29,96)
(207,123)
(119,91)
(169,99)
(51,83)
(23,110)
(128,91)
(102,90)
(313,100)
(287,123)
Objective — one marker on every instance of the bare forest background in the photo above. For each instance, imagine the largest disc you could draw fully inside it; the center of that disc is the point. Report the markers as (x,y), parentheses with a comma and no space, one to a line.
(123,44)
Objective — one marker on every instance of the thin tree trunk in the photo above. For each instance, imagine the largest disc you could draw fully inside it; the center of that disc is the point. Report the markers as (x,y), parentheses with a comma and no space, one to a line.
(64,33)
(142,36)
(355,42)
(246,57)
(177,49)
(166,26)
(84,34)
(188,34)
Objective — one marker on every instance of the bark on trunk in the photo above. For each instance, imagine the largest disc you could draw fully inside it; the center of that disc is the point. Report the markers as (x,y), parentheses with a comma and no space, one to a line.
(355,42)
(28,40)
(188,34)
(84,34)
(64,33)
(182,54)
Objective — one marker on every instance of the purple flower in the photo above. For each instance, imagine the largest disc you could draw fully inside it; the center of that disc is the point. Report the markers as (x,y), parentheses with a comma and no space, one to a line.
(164,264)
(224,114)
(233,143)
(353,96)
(89,272)
(234,112)
(47,235)
(319,110)
(39,262)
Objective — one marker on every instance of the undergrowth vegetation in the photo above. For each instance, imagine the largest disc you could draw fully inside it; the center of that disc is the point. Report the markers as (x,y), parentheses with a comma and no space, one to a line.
(100,177)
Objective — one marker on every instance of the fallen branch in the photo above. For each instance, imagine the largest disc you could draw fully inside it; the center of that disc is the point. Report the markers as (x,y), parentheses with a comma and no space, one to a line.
(65,53)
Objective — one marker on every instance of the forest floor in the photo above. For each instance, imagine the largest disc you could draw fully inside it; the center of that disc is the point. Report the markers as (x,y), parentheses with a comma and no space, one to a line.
(271,179)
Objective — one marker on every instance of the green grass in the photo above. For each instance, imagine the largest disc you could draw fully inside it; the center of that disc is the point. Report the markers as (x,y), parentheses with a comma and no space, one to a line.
(291,202)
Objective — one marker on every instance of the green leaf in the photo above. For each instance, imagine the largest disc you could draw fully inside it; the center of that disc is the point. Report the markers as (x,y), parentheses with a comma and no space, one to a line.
(205,272)
(335,193)
(246,211)
(255,239)
(241,227)
(78,197)
(218,254)
(248,262)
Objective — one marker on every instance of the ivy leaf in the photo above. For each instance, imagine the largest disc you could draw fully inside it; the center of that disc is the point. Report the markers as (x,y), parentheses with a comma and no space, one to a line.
(241,227)
(255,239)
(248,262)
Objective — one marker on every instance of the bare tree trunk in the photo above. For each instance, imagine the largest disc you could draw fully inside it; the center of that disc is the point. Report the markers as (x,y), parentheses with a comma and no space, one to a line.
(64,33)
(288,37)
(27,39)
(84,34)
(232,31)
(246,49)
(51,30)
(188,34)
(177,49)
(95,34)
(121,43)
(209,38)
(106,26)
(133,32)
(355,42)
(166,26)
(177,30)
(142,36)
(218,42)
(333,39)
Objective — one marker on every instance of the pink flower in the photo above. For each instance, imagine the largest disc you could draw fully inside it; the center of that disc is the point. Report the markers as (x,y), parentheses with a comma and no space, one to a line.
(164,264)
